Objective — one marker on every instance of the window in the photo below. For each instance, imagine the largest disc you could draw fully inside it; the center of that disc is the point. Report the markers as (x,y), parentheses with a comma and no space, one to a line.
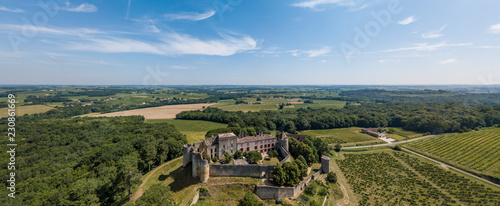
(272,145)
(261,141)
(261,151)
(261,146)
(255,147)
(223,146)
(241,149)
(248,143)
(248,149)
(268,145)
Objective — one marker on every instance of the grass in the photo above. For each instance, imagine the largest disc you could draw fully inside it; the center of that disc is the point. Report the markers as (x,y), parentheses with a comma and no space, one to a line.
(272,104)
(476,151)
(270,161)
(194,130)
(343,135)
(401,134)
(22,110)
(190,125)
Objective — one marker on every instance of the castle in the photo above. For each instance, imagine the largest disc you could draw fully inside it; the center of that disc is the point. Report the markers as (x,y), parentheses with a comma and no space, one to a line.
(201,153)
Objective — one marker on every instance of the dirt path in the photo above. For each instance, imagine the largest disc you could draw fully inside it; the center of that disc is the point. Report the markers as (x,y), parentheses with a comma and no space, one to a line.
(349,198)
(139,191)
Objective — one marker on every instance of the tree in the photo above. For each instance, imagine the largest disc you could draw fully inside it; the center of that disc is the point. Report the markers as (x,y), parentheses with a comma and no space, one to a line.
(331,177)
(273,153)
(397,147)
(253,156)
(227,157)
(279,175)
(250,200)
(238,154)
(157,194)
(338,147)
(302,167)
(292,173)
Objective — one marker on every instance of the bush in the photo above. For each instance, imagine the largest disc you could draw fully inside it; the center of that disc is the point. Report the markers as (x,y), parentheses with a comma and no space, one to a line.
(397,147)
(227,157)
(273,153)
(311,189)
(238,154)
(157,194)
(215,159)
(323,191)
(338,147)
(253,157)
(250,200)
(331,177)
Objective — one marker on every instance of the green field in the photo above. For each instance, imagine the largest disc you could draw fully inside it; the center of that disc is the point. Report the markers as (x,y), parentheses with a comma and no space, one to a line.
(342,135)
(395,178)
(22,110)
(400,134)
(476,151)
(194,130)
(272,104)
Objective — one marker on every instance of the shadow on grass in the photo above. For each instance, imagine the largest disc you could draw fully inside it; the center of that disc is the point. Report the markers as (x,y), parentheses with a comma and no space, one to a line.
(182,178)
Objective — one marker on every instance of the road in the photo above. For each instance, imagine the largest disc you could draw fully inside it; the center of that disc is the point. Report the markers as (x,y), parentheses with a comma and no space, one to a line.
(459,170)
(389,144)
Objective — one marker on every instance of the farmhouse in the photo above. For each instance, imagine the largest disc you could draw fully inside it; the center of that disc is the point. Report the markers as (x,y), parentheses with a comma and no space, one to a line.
(373,132)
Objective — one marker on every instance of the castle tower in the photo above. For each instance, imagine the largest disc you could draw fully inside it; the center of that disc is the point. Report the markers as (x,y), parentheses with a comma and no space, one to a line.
(325,164)
(283,140)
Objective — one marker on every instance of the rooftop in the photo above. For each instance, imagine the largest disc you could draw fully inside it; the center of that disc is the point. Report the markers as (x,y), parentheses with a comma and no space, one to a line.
(226,135)
(255,138)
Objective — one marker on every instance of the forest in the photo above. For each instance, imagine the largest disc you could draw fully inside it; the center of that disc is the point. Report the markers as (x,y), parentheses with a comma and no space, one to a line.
(87,161)
(432,118)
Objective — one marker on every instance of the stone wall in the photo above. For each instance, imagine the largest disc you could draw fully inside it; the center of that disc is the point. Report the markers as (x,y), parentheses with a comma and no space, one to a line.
(286,154)
(241,170)
(272,192)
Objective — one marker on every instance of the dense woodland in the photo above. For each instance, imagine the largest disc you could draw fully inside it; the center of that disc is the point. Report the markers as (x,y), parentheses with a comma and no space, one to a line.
(433,118)
(86,161)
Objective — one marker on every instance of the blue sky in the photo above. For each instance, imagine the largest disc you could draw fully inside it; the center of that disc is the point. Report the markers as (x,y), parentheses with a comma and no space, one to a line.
(257,42)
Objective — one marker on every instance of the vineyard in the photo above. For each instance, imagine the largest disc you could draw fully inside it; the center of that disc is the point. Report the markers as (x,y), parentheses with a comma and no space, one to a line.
(476,151)
(464,189)
(382,179)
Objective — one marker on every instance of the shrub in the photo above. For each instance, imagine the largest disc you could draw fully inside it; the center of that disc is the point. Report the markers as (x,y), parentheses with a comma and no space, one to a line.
(331,177)
(397,147)
(323,191)
(227,157)
(250,200)
(338,147)
(253,156)
(238,154)
(311,189)
(273,153)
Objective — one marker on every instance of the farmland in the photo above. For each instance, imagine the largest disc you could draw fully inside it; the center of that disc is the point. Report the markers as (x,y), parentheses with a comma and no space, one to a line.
(29,109)
(194,130)
(476,151)
(343,135)
(163,112)
(396,178)
(273,104)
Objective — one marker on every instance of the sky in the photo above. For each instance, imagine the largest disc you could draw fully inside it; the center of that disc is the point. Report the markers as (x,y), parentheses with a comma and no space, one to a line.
(250,42)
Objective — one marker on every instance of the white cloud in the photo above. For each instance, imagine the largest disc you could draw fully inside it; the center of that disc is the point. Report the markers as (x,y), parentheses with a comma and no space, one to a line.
(191,16)
(4,28)
(434,34)
(407,21)
(427,47)
(310,53)
(318,52)
(448,61)
(495,29)
(3,8)
(86,8)
(169,44)
(320,4)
